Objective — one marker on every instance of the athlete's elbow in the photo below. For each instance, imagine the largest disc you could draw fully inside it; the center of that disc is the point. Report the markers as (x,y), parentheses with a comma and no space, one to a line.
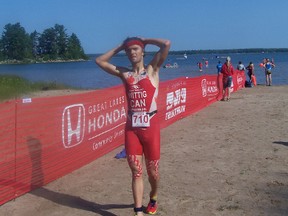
(98,61)
(167,43)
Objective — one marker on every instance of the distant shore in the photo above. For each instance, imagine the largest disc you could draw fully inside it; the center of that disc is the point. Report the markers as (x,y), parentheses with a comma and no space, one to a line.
(226,51)
(32,61)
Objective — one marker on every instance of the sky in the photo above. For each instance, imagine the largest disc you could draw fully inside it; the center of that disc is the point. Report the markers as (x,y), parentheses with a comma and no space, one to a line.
(189,24)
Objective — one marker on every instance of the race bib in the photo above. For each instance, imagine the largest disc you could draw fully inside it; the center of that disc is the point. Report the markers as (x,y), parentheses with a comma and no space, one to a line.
(140,119)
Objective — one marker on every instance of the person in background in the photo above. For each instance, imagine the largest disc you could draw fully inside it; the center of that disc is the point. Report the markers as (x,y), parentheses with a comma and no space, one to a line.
(142,132)
(219,66)
(250,69)
(200,66)
(240,66)
(268,65)
(227,70)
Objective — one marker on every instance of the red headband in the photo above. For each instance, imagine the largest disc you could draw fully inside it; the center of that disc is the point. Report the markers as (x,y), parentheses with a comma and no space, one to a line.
(134,42)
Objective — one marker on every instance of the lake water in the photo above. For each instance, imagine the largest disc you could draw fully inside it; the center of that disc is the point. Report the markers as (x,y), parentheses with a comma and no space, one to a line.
(88,75)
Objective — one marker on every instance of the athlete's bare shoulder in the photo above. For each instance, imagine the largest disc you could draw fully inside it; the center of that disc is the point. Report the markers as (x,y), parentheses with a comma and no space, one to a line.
(153,75)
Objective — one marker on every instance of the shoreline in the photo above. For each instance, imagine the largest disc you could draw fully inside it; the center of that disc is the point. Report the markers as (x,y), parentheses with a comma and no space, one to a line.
(62,92)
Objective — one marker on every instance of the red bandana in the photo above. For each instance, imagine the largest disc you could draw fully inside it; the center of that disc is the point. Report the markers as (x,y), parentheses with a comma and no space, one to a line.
(134,42)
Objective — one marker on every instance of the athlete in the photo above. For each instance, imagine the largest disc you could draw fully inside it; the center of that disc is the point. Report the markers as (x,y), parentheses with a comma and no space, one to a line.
(142,134)
(250,69)
(268,65)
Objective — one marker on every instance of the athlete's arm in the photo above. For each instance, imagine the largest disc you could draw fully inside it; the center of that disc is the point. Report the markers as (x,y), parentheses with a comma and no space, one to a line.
(103,61)
(161,55)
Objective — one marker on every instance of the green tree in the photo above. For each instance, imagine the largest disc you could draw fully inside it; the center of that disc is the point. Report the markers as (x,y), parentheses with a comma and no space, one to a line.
(61,40)
(1,50)
(75,50)
(16,42)
(48,44)
(54,43)
(34,37)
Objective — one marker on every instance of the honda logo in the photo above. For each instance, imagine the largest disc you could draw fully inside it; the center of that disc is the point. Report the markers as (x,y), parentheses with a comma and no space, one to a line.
(73,125)
(204,87)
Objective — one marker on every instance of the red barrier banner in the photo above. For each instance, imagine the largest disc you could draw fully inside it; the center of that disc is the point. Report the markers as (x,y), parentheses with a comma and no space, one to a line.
(60,134)
(239,79)
(206,90)
(43,139)
(172,101)
(185,96)
(7,151)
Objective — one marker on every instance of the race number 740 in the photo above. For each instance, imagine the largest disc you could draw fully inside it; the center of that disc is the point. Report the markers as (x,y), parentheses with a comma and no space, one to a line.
(140,119)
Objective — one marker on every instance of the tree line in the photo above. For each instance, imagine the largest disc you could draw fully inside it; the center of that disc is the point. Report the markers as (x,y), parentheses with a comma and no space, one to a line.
(225,51)
(53,44)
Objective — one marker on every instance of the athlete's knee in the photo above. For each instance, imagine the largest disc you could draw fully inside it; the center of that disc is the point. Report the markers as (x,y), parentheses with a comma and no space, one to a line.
(135,166)
(153,169)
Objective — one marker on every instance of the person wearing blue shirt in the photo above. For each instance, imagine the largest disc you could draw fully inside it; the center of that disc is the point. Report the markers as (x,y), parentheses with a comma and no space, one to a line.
(268,71)
(219,66)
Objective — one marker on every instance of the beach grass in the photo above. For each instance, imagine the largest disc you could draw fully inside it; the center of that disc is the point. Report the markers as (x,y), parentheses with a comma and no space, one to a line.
(12,86)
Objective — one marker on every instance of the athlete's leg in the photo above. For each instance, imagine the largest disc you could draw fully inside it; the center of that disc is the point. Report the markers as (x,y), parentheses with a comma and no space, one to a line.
(229,87)
(153,176)
(270,79)
(267,79)
(136,163)
(134,153)
(229,93)
(224,92)
(151,147)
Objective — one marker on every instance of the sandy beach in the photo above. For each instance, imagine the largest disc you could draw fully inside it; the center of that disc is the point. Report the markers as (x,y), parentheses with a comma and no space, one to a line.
(230,158)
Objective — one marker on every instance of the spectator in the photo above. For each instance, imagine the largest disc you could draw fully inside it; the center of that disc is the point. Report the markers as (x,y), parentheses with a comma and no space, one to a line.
(219,66)
(227,71)
(250,69)
(240,66)
(268,65)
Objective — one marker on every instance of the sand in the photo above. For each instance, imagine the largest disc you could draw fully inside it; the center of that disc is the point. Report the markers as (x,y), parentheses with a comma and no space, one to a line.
(230,158)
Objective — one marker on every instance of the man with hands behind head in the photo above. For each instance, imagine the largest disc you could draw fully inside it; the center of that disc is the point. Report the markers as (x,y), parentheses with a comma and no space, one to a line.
(142,132)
